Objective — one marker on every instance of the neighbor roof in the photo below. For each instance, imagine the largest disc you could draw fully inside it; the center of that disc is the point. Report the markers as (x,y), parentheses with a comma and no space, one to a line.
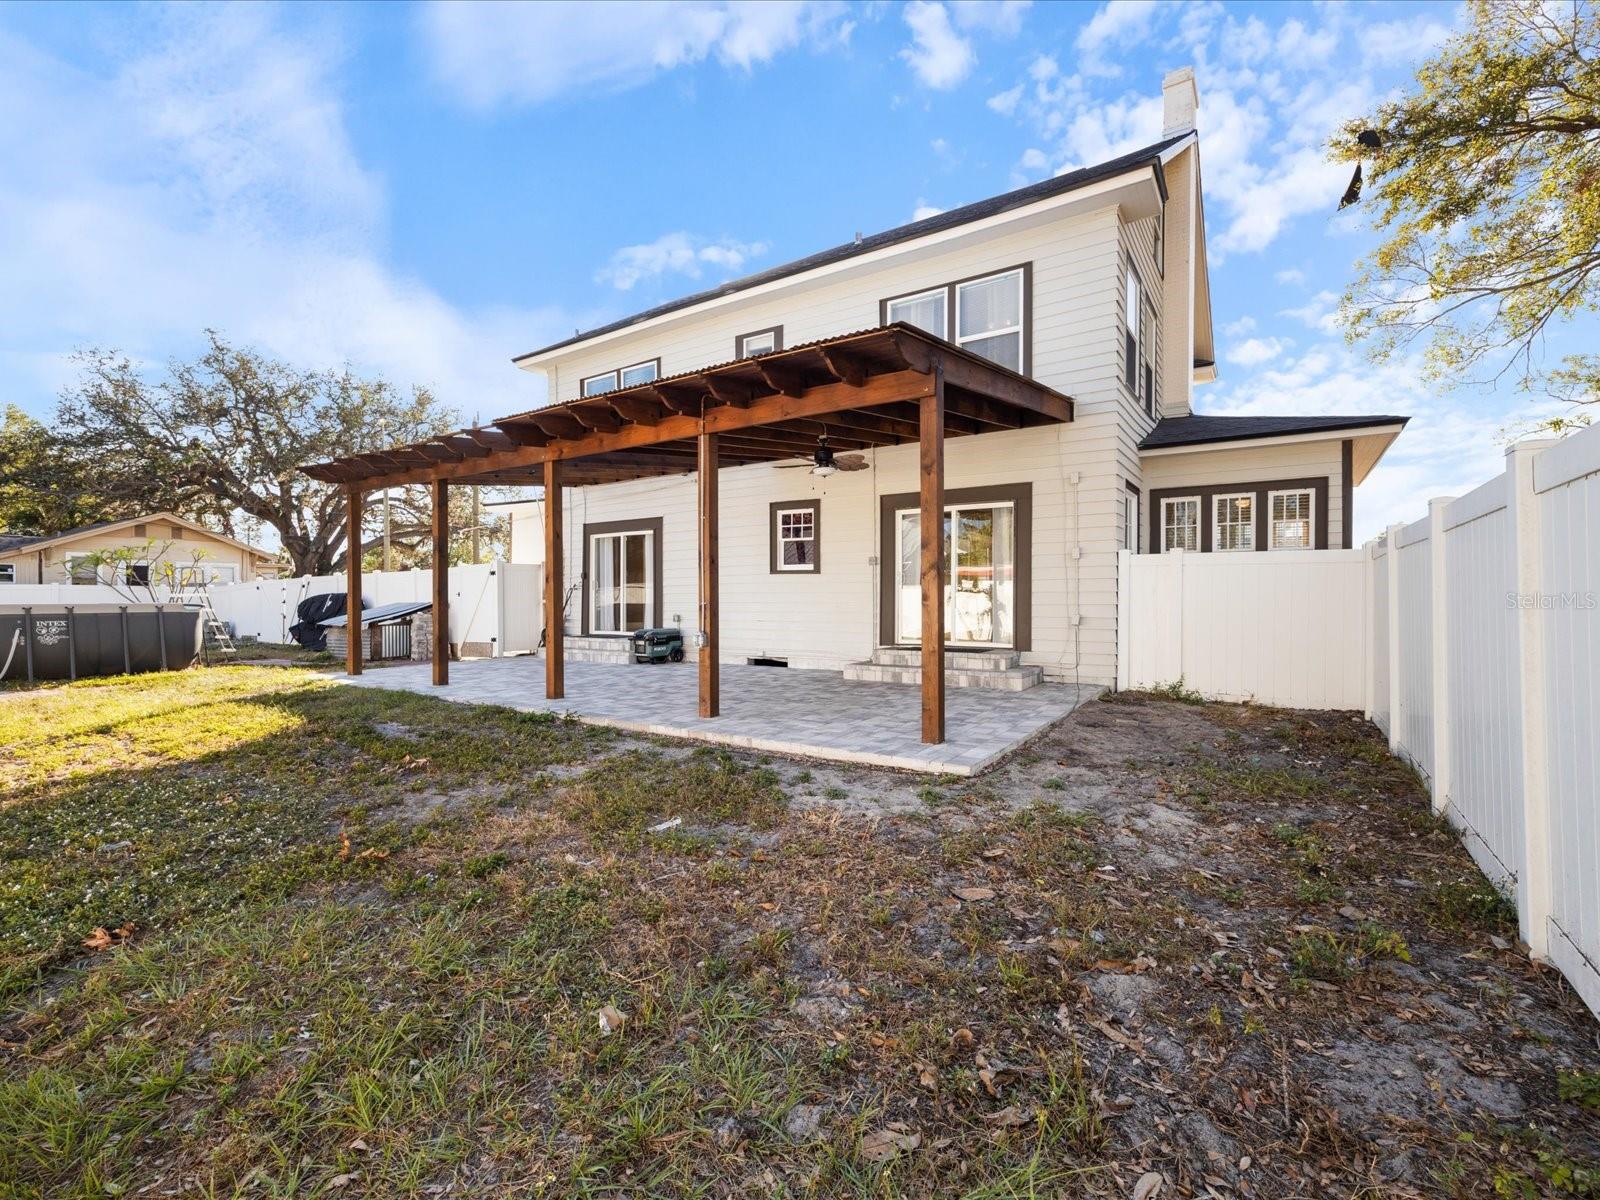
(1198,430)
(994,205)
(14,542)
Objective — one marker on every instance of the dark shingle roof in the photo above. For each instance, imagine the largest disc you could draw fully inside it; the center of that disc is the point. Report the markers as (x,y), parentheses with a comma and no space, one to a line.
(10,542)
(1197,430)
(964,215)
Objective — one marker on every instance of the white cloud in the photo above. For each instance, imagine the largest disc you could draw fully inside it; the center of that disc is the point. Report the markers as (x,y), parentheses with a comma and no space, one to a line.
(1252,352)
(1403,42)
(1240,327)
(1321,313)
(1118,23)
(491,53)
(1033,159)
(209,180)
(675,254)
(1000,17)
(1005,103)
(939,56)
(924,210)
(1290,276)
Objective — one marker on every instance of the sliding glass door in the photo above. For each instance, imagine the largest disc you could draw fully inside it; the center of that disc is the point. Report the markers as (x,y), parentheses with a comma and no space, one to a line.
(980,585)
(621,587)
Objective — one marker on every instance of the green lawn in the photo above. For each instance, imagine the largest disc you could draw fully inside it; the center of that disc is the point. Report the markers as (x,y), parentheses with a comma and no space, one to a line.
(265,936)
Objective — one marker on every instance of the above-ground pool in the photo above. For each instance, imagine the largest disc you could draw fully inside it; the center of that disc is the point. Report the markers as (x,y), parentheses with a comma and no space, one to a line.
(72,641)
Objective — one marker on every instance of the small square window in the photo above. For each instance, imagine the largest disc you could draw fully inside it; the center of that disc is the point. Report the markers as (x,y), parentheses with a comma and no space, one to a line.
(136,574)
(1233,522)
(82,570)
(8,572)
(794,538)
(762,341)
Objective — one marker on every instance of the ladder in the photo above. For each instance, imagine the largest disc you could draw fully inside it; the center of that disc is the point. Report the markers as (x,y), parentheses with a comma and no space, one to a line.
(194,594)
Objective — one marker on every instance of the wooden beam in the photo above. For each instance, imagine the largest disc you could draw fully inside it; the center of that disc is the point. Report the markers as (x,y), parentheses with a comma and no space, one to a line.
(931,446)
(729,391)
(441,582)
(524,435)
(682,400)
(557,425)
(466,446)
(352,581)
(555,677)
(602,419)
(986,412)
(844,367)
(633,408)
(818,401)
(961,372)
(710,642)
(782,378)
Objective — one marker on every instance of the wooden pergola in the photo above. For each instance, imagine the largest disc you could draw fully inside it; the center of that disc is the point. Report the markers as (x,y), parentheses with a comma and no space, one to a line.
(880,387)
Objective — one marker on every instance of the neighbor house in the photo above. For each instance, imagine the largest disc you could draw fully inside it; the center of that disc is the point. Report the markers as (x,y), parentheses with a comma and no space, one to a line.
(160,548)
(1026,365)
(1094,282)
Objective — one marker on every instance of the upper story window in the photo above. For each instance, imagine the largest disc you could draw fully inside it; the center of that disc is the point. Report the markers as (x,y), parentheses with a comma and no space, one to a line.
(925,310)
(762,341)
(607,381)
(1147,358)
(986,315)
(1133,315)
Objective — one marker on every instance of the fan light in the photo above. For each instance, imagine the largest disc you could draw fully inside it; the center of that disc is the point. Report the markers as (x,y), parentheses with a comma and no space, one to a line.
(823,458)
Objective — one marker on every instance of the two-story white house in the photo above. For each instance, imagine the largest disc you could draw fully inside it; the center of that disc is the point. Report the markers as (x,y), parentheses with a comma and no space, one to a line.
(1056,335)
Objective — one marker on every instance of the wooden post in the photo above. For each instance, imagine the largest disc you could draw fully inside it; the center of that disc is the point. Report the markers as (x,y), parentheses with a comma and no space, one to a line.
(555,681)
(352,581)
(441,582)
(930,442)
(710,675)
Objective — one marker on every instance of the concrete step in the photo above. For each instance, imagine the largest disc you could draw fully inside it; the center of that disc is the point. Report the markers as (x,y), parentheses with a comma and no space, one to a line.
(960,660)
(1009,679)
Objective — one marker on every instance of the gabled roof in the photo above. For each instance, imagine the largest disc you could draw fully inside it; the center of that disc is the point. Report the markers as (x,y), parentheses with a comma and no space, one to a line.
(1199,431)
(1151,155)
(14,543)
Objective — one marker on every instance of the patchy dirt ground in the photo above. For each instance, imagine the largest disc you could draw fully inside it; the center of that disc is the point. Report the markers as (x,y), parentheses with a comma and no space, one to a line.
(1167,950)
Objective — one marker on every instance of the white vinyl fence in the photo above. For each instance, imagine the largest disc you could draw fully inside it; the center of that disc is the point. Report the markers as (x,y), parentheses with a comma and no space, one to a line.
(1282,628)
(1471,637)
(1489,683)
(494,607)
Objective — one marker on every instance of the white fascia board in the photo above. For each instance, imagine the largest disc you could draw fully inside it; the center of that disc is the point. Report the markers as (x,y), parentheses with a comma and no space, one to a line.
(1388,432)
(1136,193)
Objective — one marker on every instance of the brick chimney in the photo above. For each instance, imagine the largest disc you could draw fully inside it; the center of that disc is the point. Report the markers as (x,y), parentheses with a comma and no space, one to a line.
(1179,100)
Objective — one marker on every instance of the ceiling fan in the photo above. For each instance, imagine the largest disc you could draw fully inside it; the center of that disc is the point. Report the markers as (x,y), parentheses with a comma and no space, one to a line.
(825,462)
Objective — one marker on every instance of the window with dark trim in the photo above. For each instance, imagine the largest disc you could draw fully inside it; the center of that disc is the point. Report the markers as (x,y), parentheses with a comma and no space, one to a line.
(1133,308)
(8,572)
(795,530)
(629,376)
(990,315)
(759,341)
(1180,523)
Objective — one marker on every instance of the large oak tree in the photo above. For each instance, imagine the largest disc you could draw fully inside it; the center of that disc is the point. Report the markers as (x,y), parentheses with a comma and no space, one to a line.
(220,439)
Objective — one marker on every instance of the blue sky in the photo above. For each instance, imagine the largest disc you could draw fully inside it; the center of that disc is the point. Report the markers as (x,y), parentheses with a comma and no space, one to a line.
(425,191)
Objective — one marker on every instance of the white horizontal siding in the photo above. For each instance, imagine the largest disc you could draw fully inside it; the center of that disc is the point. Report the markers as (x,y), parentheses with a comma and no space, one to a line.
(1257,464)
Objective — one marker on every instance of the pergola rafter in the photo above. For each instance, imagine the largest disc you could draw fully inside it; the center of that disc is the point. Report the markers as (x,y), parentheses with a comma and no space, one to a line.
(862,391)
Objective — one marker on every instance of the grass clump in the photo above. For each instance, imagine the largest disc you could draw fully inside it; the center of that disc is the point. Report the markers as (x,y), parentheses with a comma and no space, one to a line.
(1332,958)
(1473,903)
(627,793)
(1179,690)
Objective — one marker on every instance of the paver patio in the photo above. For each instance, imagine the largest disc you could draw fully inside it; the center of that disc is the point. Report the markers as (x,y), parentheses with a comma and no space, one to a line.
(811,713)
